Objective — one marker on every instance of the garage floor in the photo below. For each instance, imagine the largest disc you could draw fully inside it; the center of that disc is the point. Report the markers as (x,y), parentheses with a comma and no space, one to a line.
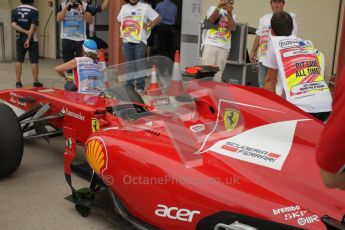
(33,197)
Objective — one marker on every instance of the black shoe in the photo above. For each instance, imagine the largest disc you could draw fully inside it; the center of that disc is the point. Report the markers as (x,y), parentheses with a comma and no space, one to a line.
(37,84)
(19,84)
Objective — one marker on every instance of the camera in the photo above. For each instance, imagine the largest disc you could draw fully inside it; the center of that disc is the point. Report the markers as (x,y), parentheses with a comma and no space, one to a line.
(75,5)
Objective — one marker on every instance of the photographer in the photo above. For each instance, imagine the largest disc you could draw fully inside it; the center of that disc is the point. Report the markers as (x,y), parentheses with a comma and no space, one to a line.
(73,16)
(216,44)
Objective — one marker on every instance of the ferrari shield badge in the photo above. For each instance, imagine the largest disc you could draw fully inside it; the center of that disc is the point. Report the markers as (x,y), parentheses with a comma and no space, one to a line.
(231,118)
(94,125)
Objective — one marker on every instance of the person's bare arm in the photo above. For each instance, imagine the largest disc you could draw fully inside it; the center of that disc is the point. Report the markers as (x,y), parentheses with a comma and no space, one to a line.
(231,23)
(19,28)
(214,16)
(271,80)
(31,33)
(61,14)
(333,180)
(88,17)
(152,24)
(105,5)
(61,69)
(254,49)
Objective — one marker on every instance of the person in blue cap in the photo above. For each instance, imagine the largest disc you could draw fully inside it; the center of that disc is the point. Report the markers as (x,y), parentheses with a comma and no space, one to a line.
(88,73)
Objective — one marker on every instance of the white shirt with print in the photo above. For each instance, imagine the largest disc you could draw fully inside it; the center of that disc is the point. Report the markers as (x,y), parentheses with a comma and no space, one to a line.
(211,39)
(312,102)
(264,31)
(149,15)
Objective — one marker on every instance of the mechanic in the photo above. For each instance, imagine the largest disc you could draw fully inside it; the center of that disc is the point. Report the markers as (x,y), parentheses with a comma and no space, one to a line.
(137,20)
(217,41)
(263,33)
(24,20)
(296,69)
(167,10)
(330,152)
(88,72)
(73,15)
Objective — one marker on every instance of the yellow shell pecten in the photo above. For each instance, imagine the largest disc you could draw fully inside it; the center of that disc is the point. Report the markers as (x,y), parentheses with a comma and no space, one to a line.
(95,155)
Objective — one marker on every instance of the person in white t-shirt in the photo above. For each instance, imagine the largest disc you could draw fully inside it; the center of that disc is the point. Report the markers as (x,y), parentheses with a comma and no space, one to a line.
(296,69)
(216,43)
(137,20)
(263,32)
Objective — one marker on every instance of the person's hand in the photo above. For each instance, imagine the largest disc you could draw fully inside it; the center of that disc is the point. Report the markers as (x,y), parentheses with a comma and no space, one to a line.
(252,56)
(26,44)
(68,4)
(147,27)
(27,32)
(228,7)
(222,3)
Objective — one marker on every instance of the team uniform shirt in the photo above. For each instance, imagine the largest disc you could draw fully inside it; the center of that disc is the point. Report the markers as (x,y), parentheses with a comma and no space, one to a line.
(24,16)
(264,31)
(89,76)
(220,37)
(132,19)
(300,73)
(330,153)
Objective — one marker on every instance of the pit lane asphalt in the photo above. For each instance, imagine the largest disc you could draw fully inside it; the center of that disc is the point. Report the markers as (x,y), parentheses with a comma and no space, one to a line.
(33,197)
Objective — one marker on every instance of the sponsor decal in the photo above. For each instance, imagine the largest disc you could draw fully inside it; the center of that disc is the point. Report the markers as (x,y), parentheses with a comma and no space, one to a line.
(268,145)
(69,113)
(94,125)
(96,155)
(252,152)
(175,213)
(231,118)
(16,101)
(46,90)
(308,220)
(160,101)
(288,43)
(197,128)
(294,212)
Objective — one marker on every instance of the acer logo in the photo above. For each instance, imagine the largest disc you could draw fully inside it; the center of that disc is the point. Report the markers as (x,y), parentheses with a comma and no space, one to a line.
(175,213)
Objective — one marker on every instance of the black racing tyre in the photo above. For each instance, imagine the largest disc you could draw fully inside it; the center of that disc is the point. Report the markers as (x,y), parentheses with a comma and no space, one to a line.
(11,141)
(123,93)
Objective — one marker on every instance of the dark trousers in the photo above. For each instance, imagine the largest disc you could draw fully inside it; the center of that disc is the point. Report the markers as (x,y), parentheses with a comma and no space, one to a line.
(166,40)
(71,49)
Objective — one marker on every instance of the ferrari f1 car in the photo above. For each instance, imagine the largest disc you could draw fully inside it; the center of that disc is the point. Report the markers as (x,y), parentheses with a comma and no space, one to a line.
(192,154)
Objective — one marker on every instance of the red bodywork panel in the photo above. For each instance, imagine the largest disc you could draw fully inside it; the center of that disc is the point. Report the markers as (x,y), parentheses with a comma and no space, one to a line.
(145,170)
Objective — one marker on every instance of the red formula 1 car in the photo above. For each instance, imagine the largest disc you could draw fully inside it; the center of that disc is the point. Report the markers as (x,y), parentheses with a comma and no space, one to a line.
(197,155)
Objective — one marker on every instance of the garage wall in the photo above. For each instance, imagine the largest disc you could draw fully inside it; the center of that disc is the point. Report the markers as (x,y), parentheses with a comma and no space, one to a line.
(5,18)
(317,21)
(50,35)
(44,11)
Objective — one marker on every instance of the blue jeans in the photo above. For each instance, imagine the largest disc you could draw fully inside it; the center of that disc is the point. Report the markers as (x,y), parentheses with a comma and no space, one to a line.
(262,74)
(133,52)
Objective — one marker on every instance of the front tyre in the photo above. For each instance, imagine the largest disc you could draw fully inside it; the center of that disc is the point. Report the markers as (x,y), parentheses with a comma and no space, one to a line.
(11,141)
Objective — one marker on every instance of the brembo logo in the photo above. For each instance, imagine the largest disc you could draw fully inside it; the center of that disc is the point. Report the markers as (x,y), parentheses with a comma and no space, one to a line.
(175,213)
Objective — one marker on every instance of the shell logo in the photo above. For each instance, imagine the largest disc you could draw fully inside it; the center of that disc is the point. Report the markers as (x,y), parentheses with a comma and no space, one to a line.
(96,155)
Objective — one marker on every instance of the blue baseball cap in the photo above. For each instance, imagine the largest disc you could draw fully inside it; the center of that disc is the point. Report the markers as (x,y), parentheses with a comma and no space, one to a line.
(90,46)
